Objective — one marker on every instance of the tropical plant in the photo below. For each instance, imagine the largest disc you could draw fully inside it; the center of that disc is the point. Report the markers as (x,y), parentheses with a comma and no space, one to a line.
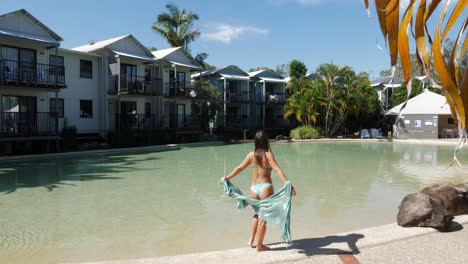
(210,102)
(176,26)
(304,101)
(305,132)
(201,59)
(283,69)
(297,69)
(429,48)
(340,86)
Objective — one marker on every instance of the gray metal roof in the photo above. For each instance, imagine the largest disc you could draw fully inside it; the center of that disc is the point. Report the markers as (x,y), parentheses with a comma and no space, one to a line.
(36,21)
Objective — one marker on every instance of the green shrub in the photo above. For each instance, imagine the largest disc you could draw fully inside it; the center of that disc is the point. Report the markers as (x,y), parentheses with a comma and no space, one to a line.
(305,132)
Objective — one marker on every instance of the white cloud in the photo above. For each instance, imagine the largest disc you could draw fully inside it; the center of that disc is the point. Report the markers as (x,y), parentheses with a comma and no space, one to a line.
(227,33)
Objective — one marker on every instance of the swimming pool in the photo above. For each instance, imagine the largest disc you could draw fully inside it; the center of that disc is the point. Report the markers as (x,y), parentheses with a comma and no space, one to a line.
(147,204)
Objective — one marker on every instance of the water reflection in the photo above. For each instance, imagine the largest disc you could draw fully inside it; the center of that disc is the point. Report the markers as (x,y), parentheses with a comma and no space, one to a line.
(150,204)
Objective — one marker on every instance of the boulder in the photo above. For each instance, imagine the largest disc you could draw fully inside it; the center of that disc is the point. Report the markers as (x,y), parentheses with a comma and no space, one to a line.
(419,209)
(454,198)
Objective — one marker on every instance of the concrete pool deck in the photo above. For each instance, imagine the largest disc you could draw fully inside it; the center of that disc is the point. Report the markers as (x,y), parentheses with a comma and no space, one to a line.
(383,244)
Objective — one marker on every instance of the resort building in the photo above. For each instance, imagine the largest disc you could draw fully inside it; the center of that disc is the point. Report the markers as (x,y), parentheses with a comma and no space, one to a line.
(384,87)
(269,89)
(133,84)
(426,115)
(234,86)
(180,106)
(41,84)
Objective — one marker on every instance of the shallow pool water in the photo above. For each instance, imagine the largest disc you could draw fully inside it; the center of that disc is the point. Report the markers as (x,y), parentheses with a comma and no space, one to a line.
(148,204)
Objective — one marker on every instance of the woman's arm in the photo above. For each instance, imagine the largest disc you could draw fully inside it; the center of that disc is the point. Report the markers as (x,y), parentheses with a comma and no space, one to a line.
(241,167)
(274,165)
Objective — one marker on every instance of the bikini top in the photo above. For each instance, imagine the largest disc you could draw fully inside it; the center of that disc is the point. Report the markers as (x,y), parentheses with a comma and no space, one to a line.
(265,168)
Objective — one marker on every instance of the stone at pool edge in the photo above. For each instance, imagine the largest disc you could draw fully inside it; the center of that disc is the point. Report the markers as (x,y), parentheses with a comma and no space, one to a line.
(419,209)
(454,198)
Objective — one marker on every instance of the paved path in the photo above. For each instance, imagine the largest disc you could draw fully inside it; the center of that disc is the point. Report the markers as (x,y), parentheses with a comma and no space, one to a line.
(384,244)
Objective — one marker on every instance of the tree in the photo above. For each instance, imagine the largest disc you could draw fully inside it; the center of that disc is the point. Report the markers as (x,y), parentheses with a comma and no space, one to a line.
(337,99)
(258,68)
(297,69)
(201,59)
(283,69)
(304,101)
(210,102)
(177,26)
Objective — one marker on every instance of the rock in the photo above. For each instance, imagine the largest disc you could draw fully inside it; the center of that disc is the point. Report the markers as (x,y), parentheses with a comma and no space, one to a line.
(279,137)
(454,198)
(419,209)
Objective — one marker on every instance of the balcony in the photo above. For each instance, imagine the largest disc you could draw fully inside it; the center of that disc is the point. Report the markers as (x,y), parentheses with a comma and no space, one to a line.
(279,122)
(24,124)
(180,89)
(184,122)
(274,98)
(233,122)
(134,121)
(135,85)
(237,97)
(18,73)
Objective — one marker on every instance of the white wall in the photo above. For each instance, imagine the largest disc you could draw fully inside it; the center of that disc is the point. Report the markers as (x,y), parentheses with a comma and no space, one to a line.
(83,89)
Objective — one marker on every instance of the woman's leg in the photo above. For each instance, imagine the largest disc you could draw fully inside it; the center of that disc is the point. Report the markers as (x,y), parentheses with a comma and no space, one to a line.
(254,224)
(253,230)
(261,228)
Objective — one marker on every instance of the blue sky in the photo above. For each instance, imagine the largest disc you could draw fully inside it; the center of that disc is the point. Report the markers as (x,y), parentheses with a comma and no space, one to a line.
(246,33)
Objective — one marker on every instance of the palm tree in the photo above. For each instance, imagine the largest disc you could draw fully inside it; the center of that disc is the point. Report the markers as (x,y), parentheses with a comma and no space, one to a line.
(177,26)
(304,101)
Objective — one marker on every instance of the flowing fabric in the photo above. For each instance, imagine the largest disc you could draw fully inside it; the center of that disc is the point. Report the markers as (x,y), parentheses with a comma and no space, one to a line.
(275,209)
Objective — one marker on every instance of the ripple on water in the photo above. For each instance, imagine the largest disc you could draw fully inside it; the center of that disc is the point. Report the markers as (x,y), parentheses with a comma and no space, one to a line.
(20,240)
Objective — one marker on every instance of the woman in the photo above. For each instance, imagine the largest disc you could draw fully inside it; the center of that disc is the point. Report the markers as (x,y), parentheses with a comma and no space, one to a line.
(263,162)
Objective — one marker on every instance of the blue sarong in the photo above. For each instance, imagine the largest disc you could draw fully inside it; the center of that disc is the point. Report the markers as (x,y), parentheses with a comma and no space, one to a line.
(275,209)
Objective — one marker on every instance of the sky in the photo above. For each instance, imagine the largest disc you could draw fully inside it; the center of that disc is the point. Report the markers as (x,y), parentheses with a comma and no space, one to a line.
(246,33)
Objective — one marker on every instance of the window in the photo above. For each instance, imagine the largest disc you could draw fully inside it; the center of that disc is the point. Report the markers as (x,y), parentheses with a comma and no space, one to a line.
(56,60)
(147,110)
(60,107)
(56,69)
(147,75)
(86,69)
(450,121)
(417,123)
(86,108)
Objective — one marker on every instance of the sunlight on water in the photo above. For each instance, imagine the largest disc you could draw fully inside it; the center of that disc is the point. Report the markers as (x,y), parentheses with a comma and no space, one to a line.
(147,204)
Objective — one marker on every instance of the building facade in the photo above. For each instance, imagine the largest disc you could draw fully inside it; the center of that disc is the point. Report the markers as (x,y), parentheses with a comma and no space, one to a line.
(269,89)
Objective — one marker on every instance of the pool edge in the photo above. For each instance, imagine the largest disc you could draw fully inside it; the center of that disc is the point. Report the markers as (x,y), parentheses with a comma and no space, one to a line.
(371,237)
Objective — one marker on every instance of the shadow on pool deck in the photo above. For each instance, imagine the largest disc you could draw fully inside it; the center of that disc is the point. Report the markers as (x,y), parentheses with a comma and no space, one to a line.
(318,246)
(55,173)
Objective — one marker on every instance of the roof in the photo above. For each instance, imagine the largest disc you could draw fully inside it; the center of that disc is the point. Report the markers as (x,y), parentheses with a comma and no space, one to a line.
(164,55)
(243,75)
(161,54)
(272,76)
(133,55)
(385,81)
(54,37)
(253,73)
(80,53)
(425,103)
(105,43)
(98,45)
(274,80)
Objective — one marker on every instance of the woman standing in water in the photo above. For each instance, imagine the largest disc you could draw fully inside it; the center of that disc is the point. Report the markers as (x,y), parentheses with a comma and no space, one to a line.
(263,162)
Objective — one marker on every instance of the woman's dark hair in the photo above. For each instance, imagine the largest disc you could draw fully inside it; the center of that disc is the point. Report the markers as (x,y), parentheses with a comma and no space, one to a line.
(261,146)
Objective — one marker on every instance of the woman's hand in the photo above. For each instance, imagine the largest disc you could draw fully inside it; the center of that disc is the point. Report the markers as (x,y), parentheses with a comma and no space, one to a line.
(293,191)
